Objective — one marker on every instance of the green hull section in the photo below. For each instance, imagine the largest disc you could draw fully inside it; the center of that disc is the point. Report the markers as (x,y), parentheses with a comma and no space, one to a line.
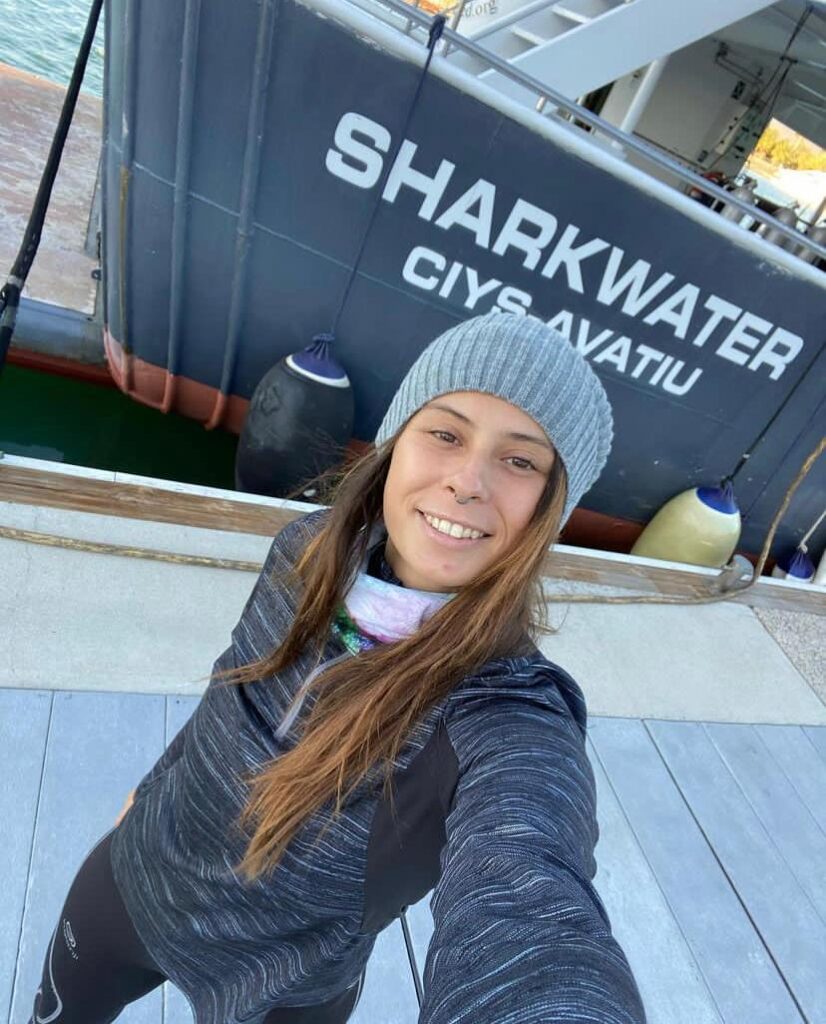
(46,416)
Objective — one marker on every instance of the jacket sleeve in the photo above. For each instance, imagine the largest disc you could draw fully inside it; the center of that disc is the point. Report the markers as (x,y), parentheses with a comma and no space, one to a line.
(521,935)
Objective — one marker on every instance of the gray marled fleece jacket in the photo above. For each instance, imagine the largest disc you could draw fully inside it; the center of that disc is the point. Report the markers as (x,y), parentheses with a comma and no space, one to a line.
(495,801)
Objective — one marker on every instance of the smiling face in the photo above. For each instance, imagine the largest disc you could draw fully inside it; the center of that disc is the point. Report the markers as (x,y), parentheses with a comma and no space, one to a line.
(464,445)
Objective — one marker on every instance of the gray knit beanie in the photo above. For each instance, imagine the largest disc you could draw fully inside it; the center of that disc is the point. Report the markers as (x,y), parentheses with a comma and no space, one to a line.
(532,366)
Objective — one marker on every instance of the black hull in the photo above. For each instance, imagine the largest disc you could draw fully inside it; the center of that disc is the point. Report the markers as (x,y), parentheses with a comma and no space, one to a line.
(234,212)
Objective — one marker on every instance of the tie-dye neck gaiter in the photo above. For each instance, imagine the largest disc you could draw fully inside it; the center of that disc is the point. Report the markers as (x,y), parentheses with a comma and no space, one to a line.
(376,611)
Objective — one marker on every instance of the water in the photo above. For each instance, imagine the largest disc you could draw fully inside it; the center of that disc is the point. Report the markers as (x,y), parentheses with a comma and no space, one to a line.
(46,416)
(43,36)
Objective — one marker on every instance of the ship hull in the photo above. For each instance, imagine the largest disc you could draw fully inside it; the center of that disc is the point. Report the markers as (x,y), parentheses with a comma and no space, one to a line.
(240,180)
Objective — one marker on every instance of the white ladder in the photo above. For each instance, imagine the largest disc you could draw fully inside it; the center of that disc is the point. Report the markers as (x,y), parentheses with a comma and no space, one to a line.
(575,46)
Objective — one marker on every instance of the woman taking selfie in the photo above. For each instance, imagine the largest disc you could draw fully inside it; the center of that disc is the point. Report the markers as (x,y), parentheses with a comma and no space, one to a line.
(382,724)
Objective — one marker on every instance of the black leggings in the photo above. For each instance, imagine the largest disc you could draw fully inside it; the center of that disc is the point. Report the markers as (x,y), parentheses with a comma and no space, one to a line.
(96,963)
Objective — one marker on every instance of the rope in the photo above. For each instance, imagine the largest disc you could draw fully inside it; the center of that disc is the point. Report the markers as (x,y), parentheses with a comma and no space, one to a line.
(207,561)
(53,540)
(435,34)
(811,530)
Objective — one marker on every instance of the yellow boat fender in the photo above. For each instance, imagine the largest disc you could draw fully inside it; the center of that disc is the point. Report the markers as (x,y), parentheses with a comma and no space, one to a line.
(700,526)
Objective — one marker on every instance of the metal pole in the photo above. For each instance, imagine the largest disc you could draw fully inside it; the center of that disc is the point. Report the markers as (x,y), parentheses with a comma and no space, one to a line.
(411,957)
(410,22)
(643,94)
(819,212)
(453,24)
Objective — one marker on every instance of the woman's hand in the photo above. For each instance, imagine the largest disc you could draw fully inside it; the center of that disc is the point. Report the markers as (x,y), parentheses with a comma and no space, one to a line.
(126,806)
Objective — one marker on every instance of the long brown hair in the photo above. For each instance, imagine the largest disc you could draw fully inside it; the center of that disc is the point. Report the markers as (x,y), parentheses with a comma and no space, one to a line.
(367,705)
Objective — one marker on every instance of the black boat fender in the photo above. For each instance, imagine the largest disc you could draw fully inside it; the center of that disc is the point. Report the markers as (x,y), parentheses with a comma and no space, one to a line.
(299,420)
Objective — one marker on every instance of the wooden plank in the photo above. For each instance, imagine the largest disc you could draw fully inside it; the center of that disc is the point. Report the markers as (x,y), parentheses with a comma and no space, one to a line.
(777,903)
(670,982)
(24,723)
(179,709)
(817,737)
(734,962)
(176,1009)
(798,837)
(99,745)
(388,995)
(676,579)
(223,510)
(806,770)
(61,274)
(24,485)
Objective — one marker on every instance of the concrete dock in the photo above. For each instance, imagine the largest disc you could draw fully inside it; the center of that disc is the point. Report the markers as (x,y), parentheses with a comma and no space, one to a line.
(29,111)
(707,735)
(719,662)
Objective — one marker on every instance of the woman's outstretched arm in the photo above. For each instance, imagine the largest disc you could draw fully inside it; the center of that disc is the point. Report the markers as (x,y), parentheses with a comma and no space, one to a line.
(521,936)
